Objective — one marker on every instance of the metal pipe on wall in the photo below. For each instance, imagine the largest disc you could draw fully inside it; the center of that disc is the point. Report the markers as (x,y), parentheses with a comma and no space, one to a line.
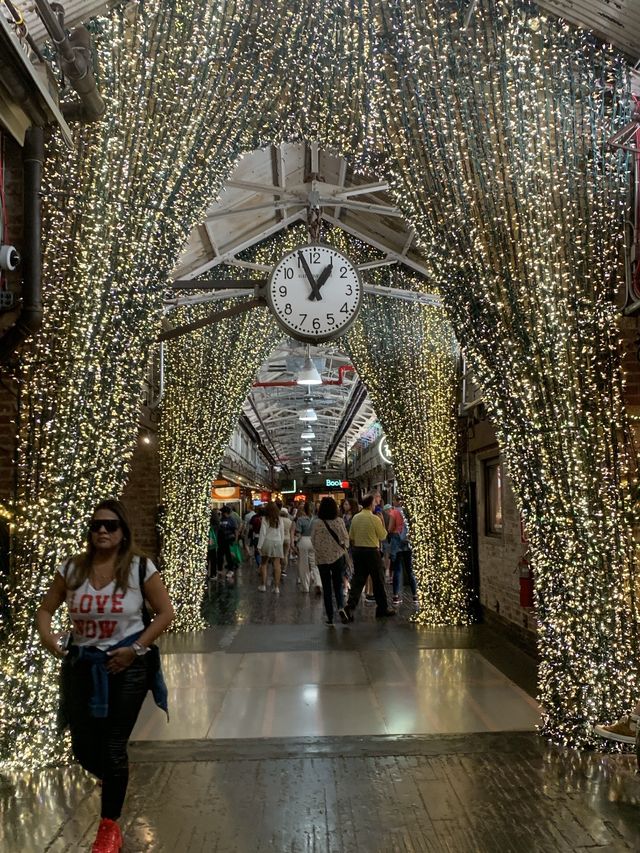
(74,52)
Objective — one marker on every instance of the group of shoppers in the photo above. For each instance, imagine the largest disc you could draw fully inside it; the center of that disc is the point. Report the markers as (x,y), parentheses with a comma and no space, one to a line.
(110,660)
(339,552)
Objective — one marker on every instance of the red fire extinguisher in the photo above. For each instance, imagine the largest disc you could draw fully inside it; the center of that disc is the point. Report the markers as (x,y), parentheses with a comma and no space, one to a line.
(526,582)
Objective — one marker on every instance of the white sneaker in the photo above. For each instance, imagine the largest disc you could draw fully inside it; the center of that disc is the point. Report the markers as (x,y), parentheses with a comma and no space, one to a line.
(262,588)
(276,589)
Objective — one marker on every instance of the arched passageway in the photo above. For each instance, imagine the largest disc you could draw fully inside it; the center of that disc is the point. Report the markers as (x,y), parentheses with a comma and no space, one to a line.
(493,141)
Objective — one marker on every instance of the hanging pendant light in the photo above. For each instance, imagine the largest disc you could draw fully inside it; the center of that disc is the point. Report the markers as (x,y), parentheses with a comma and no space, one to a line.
(308,375)
(308,415)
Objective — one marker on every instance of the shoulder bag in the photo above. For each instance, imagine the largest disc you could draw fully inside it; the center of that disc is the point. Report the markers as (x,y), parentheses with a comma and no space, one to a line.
(347,555)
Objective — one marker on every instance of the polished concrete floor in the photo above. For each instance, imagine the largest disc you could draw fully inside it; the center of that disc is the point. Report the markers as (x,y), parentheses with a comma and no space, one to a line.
(288,735)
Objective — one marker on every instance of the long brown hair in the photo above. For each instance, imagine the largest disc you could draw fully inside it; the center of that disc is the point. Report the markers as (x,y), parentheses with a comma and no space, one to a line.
(127,551)
(272,514)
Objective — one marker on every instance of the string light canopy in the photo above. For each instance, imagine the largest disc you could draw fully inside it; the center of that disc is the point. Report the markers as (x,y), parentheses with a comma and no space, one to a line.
(415,344)
(496,138)
(518,205)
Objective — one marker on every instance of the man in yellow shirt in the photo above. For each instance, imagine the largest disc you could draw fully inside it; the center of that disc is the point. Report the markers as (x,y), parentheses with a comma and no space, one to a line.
(366,533)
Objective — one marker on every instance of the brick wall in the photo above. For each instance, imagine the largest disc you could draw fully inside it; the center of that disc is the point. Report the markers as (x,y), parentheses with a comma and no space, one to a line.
(141,494)
(7,438)
(630,337)
(498,554)
(11,154)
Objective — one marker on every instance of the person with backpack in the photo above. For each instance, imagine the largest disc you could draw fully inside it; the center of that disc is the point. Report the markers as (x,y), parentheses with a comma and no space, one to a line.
(109,660)
(254,534)
(212,544)
(227,535)
(400,552)
(246,531)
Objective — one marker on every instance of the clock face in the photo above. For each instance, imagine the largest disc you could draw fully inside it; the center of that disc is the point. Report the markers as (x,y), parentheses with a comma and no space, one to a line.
(315,293)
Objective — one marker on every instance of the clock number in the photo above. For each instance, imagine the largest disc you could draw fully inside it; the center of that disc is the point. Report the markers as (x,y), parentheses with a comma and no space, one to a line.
(282,290)
(303,317)
(288,272)
(288,309)
(349,290)
(344,309)
(331,319)
(343,272)
(316,324)
(314,256)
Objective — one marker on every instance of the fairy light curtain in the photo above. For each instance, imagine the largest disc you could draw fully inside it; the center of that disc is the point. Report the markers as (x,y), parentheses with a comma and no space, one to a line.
(178,80)
(496,139)
(495,144)
(209,374)
(406,356)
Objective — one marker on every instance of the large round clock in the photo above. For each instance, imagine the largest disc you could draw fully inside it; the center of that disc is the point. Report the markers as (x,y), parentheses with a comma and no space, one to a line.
(315,293)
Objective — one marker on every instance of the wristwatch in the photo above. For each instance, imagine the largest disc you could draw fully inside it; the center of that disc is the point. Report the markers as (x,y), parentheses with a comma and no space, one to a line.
(139,649)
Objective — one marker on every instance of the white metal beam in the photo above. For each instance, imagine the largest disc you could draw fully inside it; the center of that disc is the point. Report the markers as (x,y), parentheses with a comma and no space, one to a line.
(372,265)
(249,265)
(364,207)
(364,189)
(405,295)
(228,252)
(377,244)
(342,176)
(201,298)
(264,189)
(235,211)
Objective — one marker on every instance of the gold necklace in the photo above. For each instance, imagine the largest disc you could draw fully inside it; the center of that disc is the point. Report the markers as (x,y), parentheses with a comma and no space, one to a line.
(103,580)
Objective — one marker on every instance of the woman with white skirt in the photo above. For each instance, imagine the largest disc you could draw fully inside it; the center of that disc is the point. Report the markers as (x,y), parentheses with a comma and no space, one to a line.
(308,573)
(270,546)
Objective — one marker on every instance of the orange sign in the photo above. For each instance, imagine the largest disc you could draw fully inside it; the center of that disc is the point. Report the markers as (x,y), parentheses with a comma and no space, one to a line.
(226,492)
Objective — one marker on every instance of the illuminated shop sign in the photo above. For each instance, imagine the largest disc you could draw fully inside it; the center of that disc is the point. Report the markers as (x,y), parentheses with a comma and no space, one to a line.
(383,450)
(337,484)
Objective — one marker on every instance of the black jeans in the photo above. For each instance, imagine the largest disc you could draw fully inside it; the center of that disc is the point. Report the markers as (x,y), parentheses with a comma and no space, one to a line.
(224,551)
(331,575)
(100,745)
(367,561)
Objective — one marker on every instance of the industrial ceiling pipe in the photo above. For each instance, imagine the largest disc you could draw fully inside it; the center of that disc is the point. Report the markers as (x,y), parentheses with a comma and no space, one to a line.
(290,383)
(74,53)
(30,317)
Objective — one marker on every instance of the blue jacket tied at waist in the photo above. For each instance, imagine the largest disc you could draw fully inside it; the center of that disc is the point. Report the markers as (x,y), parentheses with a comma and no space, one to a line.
(98,659)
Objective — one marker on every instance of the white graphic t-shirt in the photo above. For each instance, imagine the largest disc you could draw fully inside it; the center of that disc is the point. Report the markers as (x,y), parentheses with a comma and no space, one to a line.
(104,617)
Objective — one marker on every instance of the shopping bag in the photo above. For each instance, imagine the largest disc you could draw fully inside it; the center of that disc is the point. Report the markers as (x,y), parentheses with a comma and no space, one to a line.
(236,551)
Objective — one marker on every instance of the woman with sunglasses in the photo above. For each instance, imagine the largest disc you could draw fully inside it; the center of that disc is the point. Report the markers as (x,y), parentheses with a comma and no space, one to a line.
(106,671)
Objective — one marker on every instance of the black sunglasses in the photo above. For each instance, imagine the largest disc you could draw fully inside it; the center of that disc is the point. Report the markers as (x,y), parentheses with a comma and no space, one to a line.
(109,524)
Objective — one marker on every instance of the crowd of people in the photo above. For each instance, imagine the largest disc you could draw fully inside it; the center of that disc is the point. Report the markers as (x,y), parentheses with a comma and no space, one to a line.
(341,553)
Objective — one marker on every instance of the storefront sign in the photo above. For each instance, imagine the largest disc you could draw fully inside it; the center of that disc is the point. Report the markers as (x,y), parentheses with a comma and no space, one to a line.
(337,484)
(225,491)
(383,450)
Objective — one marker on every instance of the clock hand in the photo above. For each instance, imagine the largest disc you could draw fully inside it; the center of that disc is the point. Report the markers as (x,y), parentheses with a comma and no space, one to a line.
(315,293)
(324,275)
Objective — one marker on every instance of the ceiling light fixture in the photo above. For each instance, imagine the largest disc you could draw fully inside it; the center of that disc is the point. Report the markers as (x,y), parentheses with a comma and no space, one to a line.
(306,449)
(308,375)
(308,433)
(308,415)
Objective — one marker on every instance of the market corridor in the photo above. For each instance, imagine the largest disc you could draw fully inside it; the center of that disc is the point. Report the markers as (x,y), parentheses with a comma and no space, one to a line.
(286,734)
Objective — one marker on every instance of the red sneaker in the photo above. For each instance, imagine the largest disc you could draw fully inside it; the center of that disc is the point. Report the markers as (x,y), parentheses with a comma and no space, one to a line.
(109,837)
